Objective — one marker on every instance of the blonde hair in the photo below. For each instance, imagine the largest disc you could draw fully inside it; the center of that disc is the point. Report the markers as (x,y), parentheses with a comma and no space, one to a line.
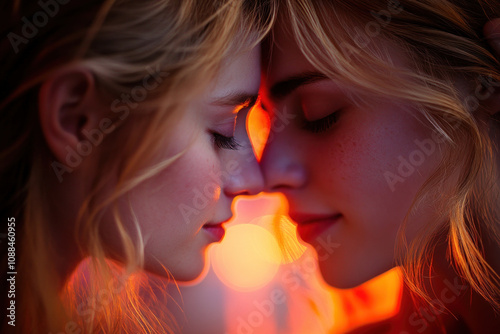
(121,42)
(443,41)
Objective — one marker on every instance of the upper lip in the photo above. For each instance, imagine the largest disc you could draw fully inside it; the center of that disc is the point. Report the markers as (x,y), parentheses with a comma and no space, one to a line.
(307,218)
(217,223)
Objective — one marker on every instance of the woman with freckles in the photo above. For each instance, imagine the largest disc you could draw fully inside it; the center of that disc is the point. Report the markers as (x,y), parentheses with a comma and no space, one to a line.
(393,153)
(115,114)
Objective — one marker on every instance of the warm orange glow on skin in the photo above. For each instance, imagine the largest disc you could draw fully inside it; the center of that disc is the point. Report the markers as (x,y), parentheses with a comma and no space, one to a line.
(258,127)
(264,291)
(373,301)
(376,300)
(285,233)
(247,259)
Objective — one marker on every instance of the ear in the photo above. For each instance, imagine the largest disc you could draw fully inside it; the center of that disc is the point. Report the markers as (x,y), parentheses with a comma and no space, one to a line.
(492,34)
(69,107)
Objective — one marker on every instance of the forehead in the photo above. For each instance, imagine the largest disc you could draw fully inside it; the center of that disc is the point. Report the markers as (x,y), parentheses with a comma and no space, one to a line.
(285,59)
(239,73)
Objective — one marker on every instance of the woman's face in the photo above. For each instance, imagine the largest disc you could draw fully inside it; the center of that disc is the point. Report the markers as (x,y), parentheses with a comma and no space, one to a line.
(181,210)
(349,164)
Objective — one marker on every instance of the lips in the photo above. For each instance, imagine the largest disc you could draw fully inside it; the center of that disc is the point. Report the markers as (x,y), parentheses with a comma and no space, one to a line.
(215,231)
(311,226)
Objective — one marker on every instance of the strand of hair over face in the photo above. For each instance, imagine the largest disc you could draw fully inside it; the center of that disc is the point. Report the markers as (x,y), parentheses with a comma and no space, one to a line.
(121,44)
(441,39)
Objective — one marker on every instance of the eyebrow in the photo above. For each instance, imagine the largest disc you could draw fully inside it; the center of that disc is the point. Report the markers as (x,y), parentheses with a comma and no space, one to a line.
(236,99)
(285,87)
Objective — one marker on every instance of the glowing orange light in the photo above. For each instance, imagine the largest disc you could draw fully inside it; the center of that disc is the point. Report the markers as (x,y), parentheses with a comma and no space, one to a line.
(376,300)
(258,127)
(285,232)
(247,259)
(373,301)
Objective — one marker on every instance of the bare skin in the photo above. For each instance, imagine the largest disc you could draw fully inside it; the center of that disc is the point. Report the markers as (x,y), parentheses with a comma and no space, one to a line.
(475,316)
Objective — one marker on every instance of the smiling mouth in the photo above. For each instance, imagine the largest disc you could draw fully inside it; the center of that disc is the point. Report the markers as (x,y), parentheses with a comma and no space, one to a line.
(311,227)
(305,218)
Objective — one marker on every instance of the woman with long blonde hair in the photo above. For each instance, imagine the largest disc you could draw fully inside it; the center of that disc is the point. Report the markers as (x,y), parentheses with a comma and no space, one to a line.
(118,146)
(393,153)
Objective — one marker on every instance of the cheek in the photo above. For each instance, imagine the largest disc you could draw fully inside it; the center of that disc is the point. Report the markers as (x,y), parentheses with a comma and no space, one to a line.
(193,183)
(371,168)
(380,144)
(357,157)
(191,180)
(181,197)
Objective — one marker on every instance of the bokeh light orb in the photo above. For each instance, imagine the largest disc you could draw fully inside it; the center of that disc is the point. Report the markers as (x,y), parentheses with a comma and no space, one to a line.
(285,233)
(247,259)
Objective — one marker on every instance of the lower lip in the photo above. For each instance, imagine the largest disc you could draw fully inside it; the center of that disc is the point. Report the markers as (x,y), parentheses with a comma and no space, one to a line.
(216,232)
(309,232)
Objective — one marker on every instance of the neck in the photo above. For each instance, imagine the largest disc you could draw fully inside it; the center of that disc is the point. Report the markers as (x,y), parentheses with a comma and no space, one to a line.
(64,209)
(453,293)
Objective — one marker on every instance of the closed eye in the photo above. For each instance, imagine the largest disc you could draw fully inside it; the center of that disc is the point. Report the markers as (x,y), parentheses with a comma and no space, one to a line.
(223,142)
(320,125)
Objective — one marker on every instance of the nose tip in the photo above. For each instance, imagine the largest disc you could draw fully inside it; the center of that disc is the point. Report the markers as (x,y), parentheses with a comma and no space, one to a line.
(287,177)
(245,175)
(281,168)
(256,183)
(245,180)
(244,187)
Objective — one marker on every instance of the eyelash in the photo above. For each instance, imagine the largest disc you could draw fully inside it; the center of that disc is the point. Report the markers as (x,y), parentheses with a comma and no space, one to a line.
(320,125)
(223,142)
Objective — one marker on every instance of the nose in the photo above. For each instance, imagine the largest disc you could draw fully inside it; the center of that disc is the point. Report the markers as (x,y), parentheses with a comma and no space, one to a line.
(244,178)
(243,170)
(281,164)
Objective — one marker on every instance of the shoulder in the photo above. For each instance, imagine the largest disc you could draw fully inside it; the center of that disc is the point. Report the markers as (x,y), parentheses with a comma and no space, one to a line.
(410,320)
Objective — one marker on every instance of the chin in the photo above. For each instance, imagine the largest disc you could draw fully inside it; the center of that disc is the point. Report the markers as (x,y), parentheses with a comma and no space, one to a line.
(341,281)
(182,271)
(350,278)
(189,275)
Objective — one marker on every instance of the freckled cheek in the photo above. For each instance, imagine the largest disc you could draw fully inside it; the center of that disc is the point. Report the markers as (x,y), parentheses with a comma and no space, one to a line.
(202,173)
(190,183)
(352,159)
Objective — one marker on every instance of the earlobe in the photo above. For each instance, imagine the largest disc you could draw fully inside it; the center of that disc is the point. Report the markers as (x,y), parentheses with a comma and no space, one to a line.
(67,104)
